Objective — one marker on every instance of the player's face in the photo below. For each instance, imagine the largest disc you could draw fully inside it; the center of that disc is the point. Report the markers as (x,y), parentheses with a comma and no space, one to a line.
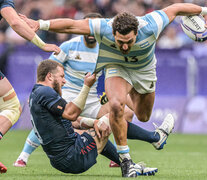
(59,80)
(125,42)
(90,39)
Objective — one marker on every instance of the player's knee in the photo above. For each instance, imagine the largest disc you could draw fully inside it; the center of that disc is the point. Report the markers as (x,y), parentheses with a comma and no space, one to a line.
(117,108)
(143,117)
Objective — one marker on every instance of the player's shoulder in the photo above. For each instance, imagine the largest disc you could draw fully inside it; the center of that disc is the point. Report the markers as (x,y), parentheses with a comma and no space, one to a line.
(155,16)
(76,39)
(41,90)
(103,21)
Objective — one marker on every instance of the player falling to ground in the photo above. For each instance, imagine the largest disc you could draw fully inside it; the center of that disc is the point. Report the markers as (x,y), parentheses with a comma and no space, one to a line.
(69,150)
(78,56)
(127,46)
(9,104)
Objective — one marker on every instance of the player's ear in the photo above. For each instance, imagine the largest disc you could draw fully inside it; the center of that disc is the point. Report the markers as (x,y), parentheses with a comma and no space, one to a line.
(49,76)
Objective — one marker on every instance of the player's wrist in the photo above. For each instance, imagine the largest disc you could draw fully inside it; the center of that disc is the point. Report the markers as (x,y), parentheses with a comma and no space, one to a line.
(80,100)
(203,10)
(44,25)
(89,122)
(37,41)
(105,120)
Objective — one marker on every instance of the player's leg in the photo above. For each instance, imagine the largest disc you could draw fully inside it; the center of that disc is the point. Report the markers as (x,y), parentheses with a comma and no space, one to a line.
(117,88)
(10,109)
(30,145)
(142,95)
(143,104)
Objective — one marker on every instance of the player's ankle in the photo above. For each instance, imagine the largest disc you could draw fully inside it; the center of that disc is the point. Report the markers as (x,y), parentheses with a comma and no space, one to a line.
(123,152)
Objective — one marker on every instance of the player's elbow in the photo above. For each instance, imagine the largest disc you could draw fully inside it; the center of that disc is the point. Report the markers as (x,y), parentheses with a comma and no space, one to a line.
(71,115)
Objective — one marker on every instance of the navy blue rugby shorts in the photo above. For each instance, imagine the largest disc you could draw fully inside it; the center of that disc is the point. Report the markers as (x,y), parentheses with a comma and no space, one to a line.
(79,157)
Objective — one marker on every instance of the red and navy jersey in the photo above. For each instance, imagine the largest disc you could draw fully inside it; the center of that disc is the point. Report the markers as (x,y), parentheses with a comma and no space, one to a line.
(6,3)
(55,133)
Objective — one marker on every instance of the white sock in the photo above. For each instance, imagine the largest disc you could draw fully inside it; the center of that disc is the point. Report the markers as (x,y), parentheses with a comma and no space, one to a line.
(123,152)
(24,156)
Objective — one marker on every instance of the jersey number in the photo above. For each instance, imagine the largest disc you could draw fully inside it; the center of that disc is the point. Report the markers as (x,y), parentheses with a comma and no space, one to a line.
(131,59)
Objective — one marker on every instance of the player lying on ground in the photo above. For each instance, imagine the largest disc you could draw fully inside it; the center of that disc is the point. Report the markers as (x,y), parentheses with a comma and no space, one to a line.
(78,56)
(69,150)
(9,104)
(127,46)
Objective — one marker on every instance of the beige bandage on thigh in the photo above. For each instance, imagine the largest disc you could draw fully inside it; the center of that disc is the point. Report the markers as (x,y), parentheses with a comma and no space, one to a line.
(10,106)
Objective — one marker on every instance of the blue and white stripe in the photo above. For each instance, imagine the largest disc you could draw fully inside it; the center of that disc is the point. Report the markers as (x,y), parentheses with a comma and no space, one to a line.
(141,55)
(77,60)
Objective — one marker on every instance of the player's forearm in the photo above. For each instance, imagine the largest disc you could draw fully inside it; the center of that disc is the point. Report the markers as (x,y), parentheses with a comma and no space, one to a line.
(61,25)
(181,9)
(187,9)
(19,26)
(65,25)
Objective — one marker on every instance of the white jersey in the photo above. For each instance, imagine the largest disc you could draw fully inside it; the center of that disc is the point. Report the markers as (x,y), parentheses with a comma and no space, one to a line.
(77,60)
(141,56)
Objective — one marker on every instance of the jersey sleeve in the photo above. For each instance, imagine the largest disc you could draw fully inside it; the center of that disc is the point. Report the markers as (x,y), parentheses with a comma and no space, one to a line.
(97,27)
(48,97)
(7,3)
(157,20)
(62,56)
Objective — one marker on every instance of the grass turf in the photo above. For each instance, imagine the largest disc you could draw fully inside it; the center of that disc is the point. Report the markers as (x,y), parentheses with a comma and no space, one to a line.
(183,158)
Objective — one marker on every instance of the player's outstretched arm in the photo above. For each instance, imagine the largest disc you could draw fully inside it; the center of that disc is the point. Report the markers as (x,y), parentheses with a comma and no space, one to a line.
(21,28)
(74,108)
(62,25)
(183,9)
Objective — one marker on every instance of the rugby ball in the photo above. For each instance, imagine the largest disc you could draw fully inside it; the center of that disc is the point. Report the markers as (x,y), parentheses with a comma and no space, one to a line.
(194,27)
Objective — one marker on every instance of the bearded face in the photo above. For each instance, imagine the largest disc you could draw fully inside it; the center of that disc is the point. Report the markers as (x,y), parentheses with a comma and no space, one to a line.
(57,87)
(90,39)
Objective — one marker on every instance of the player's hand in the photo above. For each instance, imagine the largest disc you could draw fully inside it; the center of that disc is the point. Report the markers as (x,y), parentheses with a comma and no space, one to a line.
(102,130)
(51,48)
(90,79)
(34,25)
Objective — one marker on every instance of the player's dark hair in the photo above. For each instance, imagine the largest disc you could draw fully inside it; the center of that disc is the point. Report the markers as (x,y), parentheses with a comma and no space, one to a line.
(124,23)
(45,67)
(93,15)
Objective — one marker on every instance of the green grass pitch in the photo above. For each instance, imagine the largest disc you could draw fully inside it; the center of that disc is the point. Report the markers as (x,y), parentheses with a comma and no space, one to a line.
(183,158)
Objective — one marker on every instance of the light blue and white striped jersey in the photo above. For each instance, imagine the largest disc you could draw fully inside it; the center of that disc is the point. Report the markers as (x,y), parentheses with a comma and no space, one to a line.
(77,60)
(142,54)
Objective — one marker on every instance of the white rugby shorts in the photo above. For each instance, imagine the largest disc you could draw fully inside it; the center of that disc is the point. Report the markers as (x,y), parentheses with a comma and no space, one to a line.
(143,81)
(92,106)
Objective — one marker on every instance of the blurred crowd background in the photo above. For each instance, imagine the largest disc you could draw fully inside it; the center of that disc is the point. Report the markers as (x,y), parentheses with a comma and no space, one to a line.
(173,36)
(181,66)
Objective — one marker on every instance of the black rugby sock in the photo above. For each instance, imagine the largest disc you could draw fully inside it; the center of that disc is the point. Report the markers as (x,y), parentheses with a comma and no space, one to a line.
(110,152)
(136,132)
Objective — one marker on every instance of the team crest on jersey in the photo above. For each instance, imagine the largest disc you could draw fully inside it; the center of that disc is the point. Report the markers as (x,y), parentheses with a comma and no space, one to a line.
(78,57)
